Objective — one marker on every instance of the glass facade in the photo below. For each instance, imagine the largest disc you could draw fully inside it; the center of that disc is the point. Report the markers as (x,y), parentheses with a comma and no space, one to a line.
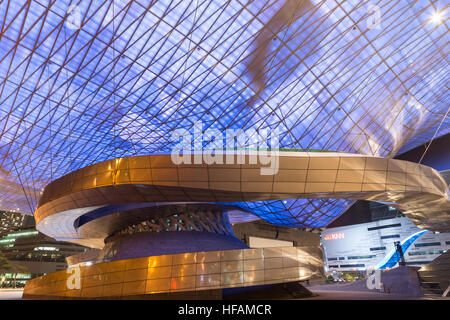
(33,254)
(195,271)
(373,244)
(11,221)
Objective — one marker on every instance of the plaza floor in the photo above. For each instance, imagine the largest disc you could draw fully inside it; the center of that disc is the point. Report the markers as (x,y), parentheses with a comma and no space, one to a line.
(11,294)
(320,294)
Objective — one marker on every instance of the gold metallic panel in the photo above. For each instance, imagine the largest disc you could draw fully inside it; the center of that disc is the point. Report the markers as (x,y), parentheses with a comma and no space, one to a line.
(91,292)
(316,187)
(138,263)
(253,265)
(225,186)
(274,274)
(115,266)
(374,177)
(373,187)
(321,176)
(207,281)
(134,288)
(225,269)
(93,281)
(289,252)
(396,178)
(272,252)
(156,178)
(184,270)
(294,162)
(231,255)
(182,283)
(193,174)
(273,263)
(347,187)
(140,175)
(353,176)
(158,285)
(184,258)
(159,261)
(231,278)
(208,267)
(224,174)
(161,161)
(112,290)
(373,163)
(284,175)
(142,162)
(163,272)
(165,174)
(210,256)
(289,262)
(254,175)
(256,186)
(250,254)
(114,278)
(397,165)
(352,163)
(135,275)
(231,266)
(255,276)
(287,187)
(323,163)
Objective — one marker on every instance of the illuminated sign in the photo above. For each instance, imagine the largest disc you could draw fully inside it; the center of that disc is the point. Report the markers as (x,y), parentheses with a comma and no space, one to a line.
(334,236)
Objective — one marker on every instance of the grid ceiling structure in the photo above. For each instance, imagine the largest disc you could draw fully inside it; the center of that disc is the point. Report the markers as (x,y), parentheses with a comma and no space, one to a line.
(86,81)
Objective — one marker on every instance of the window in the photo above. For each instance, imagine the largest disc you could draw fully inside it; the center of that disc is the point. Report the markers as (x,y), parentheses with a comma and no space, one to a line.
(420,253)
(429,244)
(385,226)
(361,257)
(390,236)
(417,262)
(332,259)
(359,265)
(377,248)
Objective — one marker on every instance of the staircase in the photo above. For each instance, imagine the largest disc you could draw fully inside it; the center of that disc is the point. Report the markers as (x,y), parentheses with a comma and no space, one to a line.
(435,276)
(430,287)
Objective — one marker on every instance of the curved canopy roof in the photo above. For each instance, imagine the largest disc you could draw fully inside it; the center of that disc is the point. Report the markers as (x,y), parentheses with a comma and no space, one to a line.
(87,81)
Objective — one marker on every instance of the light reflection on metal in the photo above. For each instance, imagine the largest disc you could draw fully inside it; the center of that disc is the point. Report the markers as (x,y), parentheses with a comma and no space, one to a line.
(194,271)
(417,190)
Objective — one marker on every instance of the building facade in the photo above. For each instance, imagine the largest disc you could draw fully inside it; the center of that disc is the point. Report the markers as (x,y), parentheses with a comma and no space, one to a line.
(35,253)
(358,247)
(11,221)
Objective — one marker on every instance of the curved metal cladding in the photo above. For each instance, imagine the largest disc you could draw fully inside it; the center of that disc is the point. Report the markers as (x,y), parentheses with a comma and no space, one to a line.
(418,191)
(195,271)
(119,83)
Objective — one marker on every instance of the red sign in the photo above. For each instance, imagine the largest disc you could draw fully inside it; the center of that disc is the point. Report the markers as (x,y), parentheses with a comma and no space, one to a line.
(334,236)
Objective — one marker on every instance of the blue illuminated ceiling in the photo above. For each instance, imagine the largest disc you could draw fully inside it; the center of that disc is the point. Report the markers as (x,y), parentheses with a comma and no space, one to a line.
(115,78)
